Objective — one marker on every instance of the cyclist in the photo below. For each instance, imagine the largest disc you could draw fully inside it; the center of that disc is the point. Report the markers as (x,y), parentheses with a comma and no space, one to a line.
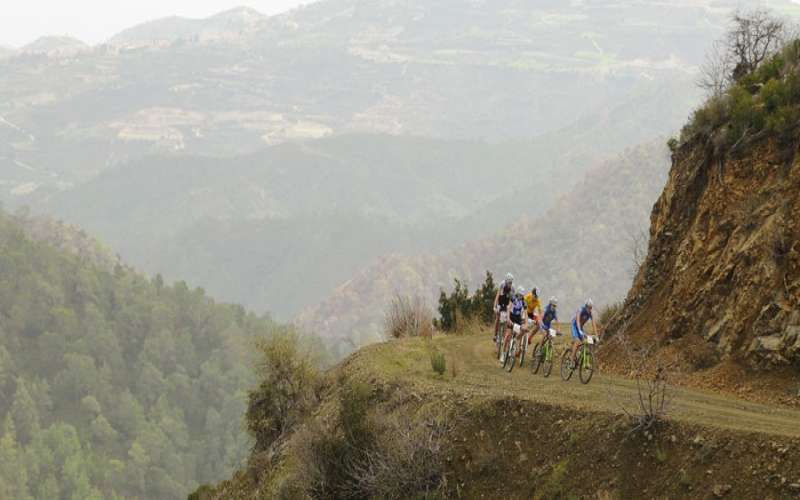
(582,316)
(517,315)
(503,298)
(550,316)
(550,313)
(534,306)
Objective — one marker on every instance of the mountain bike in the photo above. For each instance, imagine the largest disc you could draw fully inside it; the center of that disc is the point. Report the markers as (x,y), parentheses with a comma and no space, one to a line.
(499,332)
(513,348)
(525,340)
(543,355)
(585,365)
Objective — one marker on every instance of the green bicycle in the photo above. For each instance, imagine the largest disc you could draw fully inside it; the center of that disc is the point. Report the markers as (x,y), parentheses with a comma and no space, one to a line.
(586,364)
(499,332)
(543,355)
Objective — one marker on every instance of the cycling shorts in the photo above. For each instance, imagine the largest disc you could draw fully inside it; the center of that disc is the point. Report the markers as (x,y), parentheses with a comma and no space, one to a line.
(517,320)
(576,332)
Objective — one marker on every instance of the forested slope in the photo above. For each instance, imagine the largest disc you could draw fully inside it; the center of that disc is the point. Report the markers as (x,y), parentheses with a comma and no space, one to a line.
(582,246)
(112,384)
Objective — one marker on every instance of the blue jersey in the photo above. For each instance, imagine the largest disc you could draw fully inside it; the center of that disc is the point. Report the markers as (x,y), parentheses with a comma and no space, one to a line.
(517,306)
(549,316)
(582,316)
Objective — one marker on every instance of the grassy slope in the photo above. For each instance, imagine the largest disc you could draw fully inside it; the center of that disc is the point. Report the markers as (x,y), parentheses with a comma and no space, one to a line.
(523,436)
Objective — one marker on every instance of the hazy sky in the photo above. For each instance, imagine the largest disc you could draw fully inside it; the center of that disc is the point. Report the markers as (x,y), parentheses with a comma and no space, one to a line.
(94,21)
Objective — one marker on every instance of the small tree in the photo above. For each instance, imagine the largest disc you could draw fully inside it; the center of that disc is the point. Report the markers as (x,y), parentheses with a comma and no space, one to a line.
(454,307)
(286,391)
(460,306)
(752,38)
(483,300)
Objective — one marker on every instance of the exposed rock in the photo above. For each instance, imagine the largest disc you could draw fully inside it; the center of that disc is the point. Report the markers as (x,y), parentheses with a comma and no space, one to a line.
(723,264)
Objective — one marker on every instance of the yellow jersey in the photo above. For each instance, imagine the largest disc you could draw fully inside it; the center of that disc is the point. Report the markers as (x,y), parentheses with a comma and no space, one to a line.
(532,304)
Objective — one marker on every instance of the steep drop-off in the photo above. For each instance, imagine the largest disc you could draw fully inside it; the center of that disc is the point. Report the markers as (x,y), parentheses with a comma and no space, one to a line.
(722,275)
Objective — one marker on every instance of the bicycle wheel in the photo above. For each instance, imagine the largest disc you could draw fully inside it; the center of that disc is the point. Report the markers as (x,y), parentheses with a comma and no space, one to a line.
(547,361)
(536,360)
(511,356)
(566,371)
(586,369)
(523,349)
(499,343)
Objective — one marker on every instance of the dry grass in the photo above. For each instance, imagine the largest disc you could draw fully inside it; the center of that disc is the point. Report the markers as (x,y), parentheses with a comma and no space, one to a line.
(408,317)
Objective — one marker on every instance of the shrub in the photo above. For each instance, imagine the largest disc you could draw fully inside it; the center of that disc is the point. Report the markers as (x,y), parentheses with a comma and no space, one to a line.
(408,317)
(329,457)
(673,144)
(459,308)
(438,363)
(609,313)
(286,392)
(409,460)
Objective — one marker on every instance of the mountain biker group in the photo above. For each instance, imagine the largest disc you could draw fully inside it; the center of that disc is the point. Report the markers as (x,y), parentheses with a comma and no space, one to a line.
(522,312)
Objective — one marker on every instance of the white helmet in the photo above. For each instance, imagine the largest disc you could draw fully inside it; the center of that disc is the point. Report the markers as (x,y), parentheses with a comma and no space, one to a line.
(553,301)
(509,277)
(521,290)
(589,303)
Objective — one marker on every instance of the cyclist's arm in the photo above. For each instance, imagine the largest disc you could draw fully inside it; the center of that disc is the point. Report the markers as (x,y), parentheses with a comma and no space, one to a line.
(595,329)
(496,299)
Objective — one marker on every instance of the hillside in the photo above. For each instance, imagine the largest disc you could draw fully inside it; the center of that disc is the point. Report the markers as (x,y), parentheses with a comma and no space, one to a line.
(55,46)
(445,93)
(282,212)
(228,25)
(112,385)
(385,426)
(498,71)
(580,247)
(721,282)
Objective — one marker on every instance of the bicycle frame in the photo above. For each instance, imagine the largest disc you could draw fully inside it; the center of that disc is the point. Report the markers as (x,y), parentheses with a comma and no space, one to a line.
(584,347)
(548,349)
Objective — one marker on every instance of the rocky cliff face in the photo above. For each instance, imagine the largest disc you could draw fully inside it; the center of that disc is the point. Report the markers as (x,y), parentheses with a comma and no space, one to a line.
(722,275)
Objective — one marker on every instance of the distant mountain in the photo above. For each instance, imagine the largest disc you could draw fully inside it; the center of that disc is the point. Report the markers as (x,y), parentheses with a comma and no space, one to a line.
(223,26)
(310,213)
(581,247)
(235,82)
(7,51)
(308,122)
(55,46)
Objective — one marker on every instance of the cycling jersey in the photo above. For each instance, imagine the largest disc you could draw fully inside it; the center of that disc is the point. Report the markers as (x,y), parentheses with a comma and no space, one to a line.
(506,292)
(581,317)
(532,303)
(517,306)
(550,315)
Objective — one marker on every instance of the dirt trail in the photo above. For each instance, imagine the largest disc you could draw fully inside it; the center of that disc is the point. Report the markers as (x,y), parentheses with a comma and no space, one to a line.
(478,374)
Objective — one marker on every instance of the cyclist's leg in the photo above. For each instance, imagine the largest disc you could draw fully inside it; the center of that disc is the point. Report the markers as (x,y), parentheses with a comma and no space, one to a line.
(576,341)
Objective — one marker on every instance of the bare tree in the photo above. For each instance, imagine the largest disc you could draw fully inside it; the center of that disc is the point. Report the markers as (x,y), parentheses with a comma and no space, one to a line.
(638,250)
(752,38)
(716,71)
(408,317)
(653,393)
(755,36)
